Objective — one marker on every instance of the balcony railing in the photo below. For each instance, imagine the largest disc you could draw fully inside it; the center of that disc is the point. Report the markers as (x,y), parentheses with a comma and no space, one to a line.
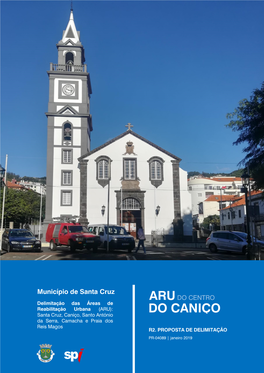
(68,68)
(259,218)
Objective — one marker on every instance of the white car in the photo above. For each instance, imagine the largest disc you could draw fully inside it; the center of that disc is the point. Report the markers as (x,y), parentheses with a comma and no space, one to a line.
(230,241)
(119,238)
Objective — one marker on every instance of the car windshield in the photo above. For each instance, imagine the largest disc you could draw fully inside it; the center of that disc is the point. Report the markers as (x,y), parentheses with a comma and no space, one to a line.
(117,231)
(241,234)
(22,233)
(77,229)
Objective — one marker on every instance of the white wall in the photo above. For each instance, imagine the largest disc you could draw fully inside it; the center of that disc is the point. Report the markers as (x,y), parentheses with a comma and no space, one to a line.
(162,196)
(186,204)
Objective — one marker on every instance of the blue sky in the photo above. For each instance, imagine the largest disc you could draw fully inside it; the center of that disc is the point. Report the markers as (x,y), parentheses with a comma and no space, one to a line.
(172,69)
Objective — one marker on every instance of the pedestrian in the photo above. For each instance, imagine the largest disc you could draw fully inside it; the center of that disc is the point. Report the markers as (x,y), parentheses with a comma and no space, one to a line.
(27,227)
(141,239)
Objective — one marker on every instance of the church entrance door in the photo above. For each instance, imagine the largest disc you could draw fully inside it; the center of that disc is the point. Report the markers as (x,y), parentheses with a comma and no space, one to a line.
(130,215)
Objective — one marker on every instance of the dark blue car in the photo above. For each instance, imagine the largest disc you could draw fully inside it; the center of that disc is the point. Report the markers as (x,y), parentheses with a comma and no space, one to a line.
(19,239)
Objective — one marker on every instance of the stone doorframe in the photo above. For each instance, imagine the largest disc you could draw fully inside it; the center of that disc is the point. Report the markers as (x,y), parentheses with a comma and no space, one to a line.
(139,195)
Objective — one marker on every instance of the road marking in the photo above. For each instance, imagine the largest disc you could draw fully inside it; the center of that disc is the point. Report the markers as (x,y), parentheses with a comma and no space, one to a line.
(44,257)
(40,257)
(47,257)
(208,257)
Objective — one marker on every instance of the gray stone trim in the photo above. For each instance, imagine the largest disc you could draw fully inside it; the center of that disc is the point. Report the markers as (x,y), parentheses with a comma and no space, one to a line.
(103,182)
(85,136)
(176,190)
(68,150)
(62,172)
(75,96)
(51,89)
(139,195)
(49,174)
(66,191)
(70,146)
(156,183)
(67,107)
(67,73)
(130,132)
(83,192)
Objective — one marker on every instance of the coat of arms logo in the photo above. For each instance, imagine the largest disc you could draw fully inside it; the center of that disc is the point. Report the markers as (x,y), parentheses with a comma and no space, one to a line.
(45,354)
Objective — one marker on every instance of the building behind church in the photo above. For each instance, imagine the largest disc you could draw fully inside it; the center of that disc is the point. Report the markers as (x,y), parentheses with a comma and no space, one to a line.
(141,183)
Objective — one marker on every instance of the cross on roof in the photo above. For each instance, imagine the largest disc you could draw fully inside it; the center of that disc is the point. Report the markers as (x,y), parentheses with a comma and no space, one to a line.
(129,125)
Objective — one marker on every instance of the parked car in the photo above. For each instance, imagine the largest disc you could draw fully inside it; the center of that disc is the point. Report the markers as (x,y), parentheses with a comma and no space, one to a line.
(71,234)
(119,238)
(229,241)
(20,239)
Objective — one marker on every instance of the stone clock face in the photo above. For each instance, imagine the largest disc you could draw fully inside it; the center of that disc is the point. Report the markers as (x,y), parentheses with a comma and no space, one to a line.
(68,89)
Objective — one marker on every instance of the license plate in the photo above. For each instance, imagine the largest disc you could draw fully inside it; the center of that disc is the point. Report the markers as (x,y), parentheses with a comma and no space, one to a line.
(26,246)
(125,243)
(89,241)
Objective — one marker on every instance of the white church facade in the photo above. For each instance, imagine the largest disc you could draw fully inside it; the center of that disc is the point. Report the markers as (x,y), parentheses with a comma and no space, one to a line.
(141,183)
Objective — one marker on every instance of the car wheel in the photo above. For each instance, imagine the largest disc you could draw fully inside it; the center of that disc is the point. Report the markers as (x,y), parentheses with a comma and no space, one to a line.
(72,247)
(213,248)
(53,246)
(9,248)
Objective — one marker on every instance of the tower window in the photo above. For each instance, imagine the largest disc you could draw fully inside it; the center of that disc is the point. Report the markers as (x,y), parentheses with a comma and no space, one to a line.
(66,197)
(67,134)
(69,58)
(66,178)
(66,156)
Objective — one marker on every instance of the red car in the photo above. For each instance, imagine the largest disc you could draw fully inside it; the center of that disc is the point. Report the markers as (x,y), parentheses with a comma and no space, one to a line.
(73,235)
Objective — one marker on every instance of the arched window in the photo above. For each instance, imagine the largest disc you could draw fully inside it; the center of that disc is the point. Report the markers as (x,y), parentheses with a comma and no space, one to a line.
(67,134)
(69,61)
(103,167)
(103,170)
(130,204)
(156,171)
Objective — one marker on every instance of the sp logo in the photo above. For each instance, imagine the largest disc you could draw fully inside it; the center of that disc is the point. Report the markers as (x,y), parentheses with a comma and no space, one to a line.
(73,355)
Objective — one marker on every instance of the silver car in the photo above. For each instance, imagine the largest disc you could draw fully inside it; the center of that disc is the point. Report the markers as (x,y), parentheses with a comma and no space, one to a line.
(228,241)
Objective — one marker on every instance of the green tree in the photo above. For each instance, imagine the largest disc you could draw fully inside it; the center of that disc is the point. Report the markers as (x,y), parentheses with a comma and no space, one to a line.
(211,219)
(248,120)
(22,205)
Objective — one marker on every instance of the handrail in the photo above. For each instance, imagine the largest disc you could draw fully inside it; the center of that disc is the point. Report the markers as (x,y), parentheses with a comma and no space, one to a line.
(68,68)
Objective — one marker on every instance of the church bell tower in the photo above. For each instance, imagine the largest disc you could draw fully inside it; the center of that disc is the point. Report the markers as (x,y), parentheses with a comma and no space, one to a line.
(69,125)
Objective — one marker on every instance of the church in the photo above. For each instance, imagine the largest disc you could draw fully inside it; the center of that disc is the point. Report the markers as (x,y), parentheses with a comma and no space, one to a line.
(129,179)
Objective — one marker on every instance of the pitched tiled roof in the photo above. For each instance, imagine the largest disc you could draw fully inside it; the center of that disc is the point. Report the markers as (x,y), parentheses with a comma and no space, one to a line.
(223,198)
(242,200)
(225,179)
(12,185)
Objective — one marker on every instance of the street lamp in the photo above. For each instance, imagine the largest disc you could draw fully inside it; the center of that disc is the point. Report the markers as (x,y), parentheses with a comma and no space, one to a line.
(245,181)
(2,174)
